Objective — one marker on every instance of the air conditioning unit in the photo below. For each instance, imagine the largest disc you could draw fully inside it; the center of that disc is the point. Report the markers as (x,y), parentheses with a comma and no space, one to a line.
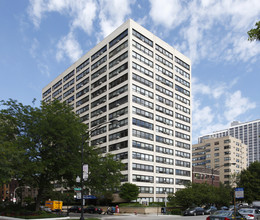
(117,104)
(117,137)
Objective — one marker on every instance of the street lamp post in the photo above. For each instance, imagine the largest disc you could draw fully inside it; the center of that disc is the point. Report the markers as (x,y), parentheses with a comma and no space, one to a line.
(27,187)
(82,163)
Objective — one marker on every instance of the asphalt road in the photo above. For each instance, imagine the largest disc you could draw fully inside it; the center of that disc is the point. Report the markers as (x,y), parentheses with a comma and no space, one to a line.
(141,217)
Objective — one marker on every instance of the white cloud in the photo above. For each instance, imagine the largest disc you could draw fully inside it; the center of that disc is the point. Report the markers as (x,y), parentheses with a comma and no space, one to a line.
(167,13)
(237,105)
(112,14)
(68,46)
(210,29)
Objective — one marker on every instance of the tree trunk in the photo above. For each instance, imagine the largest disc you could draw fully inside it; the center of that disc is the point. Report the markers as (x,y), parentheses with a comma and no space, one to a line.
(38,199)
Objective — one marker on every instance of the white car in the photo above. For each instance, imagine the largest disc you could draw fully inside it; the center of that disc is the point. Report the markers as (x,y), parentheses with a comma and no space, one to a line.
(250,213)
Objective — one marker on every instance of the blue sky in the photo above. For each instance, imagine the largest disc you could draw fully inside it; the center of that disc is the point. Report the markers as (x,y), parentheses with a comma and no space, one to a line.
(40,39)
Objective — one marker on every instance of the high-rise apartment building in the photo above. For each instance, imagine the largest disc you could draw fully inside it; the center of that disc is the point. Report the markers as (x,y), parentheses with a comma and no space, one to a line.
(138,79)
(227,154)
(247,132)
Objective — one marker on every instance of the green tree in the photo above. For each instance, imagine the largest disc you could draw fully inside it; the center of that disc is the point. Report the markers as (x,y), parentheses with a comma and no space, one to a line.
(201,194)
(49,138)
(46,146)
(129,191)
(249,179)
(254,34)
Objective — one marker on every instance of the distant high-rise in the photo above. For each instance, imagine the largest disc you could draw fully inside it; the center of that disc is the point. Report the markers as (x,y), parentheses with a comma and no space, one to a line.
(247,132)
(138,79)
(226,154)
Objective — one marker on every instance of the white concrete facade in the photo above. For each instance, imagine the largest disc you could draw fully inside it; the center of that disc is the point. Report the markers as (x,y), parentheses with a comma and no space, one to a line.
(247,132)
(144,83)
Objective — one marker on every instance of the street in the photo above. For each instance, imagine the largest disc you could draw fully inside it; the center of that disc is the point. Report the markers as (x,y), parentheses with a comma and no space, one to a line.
(141,217)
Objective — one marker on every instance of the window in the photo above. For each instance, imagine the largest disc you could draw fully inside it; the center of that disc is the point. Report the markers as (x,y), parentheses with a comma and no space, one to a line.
(142,167)
(164,71)
(142,70)
(182,90)
(182,117)
(182,136)
(118,49)
(98,73)
(164,150)
(164,120)
(164,140)
(143,113)
(142,91)
(164,91)
(182,81)
(182,126)
(99,62)
(118,102)
(164,81)
(141,156)
(164,61)
(118,135)
(142,48)
(143,124)
(118,146)
(142,134)
(82,83)
(98,53)
(164,100)
(164,130)
(118,92)
(82,65)
(118,60)
(142,145)
(141,178)
(142,80)
(118,81)
(182,172)
(182,63)
(164,160)
(118,113)
(142,59)
(163,51)
(56,85)
(142,38)
(98,92)
(182,154)
(118,70)
(182,163)
(182,145)
(182,72)
(182,99)
(142,102)
(82,92)
(68,76)
(164,170)
(182,108)
(163,110)
(82,101)
(118,38)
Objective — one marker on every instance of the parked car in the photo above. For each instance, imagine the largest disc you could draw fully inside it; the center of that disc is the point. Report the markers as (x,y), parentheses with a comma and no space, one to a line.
(210,210)
(250,213)
(75,209)
(194,211)
(92,209)
(224,208)
(225,215)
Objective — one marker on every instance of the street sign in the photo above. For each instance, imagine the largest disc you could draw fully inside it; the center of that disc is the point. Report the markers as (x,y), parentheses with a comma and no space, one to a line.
(239,193)
(77,189)
(79,195)
(89,197)
(85,171)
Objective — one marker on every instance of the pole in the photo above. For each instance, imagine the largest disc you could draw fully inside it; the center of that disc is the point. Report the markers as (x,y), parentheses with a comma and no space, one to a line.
(235,204)
(212,176)
(81,181)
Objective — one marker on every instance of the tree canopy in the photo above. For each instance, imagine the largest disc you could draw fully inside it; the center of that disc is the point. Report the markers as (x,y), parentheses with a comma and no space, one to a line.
(129,191)
(40,146)
(249,179)
(254,33)
(201,194)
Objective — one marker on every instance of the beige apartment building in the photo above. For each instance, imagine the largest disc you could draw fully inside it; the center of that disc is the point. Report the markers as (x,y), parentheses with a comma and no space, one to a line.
(145,84)
(226,154)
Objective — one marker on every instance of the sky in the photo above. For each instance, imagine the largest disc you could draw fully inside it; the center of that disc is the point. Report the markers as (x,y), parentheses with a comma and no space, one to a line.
(39,39)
